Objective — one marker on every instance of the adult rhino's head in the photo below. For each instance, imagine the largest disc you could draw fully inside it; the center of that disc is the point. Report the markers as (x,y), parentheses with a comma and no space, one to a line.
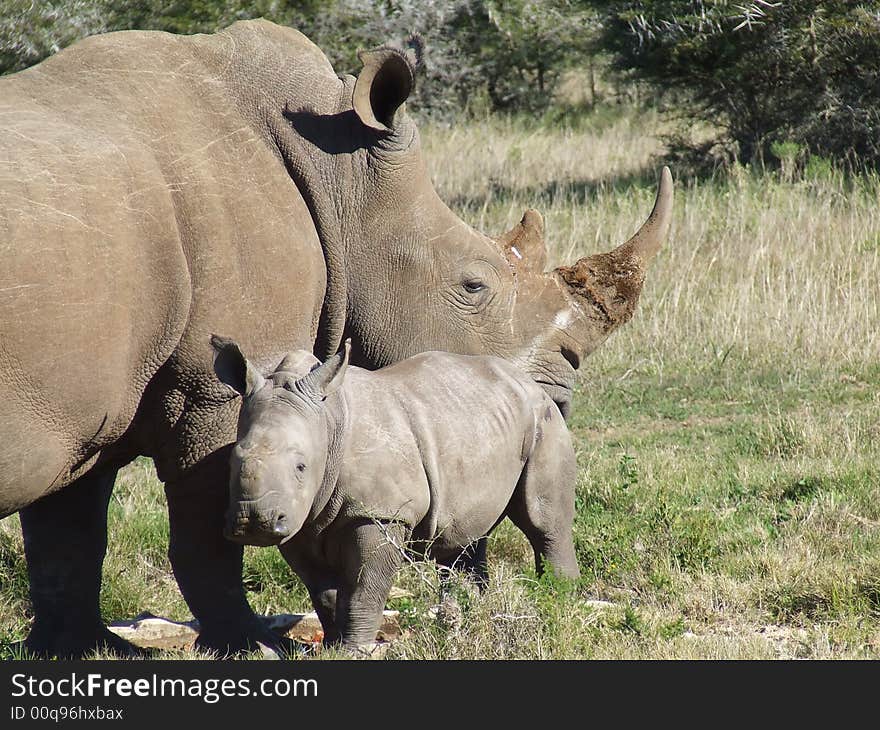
(285,436)
(406,275)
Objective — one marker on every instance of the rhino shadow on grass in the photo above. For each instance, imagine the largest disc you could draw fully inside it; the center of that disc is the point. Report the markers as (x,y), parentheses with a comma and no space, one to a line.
(579,191)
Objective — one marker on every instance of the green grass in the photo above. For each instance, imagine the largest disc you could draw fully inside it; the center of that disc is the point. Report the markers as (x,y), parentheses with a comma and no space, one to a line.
(736,520)
(728,496)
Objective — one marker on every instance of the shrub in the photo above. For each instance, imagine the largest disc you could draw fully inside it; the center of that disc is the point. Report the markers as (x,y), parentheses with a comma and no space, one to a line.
(500,54)
(801,72)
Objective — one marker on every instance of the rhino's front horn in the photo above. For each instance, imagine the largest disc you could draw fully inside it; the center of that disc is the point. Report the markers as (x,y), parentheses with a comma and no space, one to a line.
(647,241)
(611,282)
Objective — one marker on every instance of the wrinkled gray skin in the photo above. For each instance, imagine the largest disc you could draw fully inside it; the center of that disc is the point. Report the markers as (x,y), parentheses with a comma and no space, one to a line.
(342,467)
(157,188)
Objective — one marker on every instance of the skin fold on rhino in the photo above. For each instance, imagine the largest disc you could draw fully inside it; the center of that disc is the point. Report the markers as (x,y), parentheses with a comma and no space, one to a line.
(346,468)
(157,188)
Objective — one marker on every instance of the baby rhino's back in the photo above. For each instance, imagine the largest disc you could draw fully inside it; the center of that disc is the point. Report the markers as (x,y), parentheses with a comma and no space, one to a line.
(441,439)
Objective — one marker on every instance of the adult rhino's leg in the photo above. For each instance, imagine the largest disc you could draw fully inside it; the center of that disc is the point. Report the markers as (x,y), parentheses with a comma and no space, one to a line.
(475,562)
(324,601)
(206,565)
(472,562)
(65,539)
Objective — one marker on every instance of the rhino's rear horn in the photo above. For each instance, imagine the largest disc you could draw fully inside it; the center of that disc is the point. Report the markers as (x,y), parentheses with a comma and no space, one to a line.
(383,85)
(523,245)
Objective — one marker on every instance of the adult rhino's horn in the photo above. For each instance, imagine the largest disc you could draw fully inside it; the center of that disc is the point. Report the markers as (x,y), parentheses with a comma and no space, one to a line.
(612,281)
(649,238)
(523,245)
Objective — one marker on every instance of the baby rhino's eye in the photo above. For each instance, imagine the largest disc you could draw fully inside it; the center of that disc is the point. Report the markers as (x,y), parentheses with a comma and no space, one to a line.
(300,467)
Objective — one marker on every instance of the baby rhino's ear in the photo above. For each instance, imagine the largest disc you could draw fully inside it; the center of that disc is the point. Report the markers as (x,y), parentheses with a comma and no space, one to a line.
(233,369)
(325,379)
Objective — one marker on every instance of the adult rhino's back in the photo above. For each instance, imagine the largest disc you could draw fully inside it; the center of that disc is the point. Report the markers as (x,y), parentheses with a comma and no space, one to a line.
(129,176)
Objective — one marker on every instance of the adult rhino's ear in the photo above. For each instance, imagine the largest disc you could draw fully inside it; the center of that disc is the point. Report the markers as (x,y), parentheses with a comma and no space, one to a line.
(325,379)
(385,83)
(232,367)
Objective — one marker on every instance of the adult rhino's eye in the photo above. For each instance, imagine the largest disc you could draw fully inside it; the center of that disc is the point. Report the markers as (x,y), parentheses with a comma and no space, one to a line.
(300,467)
(473,286)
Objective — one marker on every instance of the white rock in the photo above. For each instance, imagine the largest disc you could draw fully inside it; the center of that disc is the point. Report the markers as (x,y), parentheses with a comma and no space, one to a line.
(152,632)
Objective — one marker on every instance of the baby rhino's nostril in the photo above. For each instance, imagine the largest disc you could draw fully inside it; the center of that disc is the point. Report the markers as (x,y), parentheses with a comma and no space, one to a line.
(280,528)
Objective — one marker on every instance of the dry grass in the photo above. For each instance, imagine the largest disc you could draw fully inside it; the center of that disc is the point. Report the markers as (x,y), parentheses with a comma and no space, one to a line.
(772,268)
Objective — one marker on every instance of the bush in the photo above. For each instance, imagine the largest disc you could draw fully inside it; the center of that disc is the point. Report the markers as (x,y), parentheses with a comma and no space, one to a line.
(801,72)
(31,31)
(500,54)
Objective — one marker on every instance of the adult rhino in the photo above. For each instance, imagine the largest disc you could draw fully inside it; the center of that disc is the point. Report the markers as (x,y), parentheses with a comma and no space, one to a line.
(157,188)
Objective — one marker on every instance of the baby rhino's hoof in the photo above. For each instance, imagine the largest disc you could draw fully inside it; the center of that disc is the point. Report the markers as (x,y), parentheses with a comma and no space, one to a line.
(369,650)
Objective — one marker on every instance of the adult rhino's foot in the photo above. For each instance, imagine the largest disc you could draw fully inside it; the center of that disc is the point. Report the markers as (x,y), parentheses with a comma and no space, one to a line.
(251,635)
(48,642)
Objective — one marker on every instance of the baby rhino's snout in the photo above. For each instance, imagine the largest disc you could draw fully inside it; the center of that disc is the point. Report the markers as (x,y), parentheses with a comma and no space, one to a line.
(255,515)
(257,521)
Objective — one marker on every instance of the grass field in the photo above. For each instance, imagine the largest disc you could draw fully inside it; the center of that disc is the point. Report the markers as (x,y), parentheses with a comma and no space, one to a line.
(728,437)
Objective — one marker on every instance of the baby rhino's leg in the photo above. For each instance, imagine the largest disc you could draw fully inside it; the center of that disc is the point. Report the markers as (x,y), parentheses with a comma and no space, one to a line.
(370,559)
(542,505)
(321,583)
(323,597)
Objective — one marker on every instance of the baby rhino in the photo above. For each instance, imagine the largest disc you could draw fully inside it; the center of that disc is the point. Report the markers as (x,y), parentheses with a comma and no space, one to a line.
(342,467)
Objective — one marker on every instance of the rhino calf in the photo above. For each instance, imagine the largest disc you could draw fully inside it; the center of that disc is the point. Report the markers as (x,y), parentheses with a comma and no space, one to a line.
(341,467)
